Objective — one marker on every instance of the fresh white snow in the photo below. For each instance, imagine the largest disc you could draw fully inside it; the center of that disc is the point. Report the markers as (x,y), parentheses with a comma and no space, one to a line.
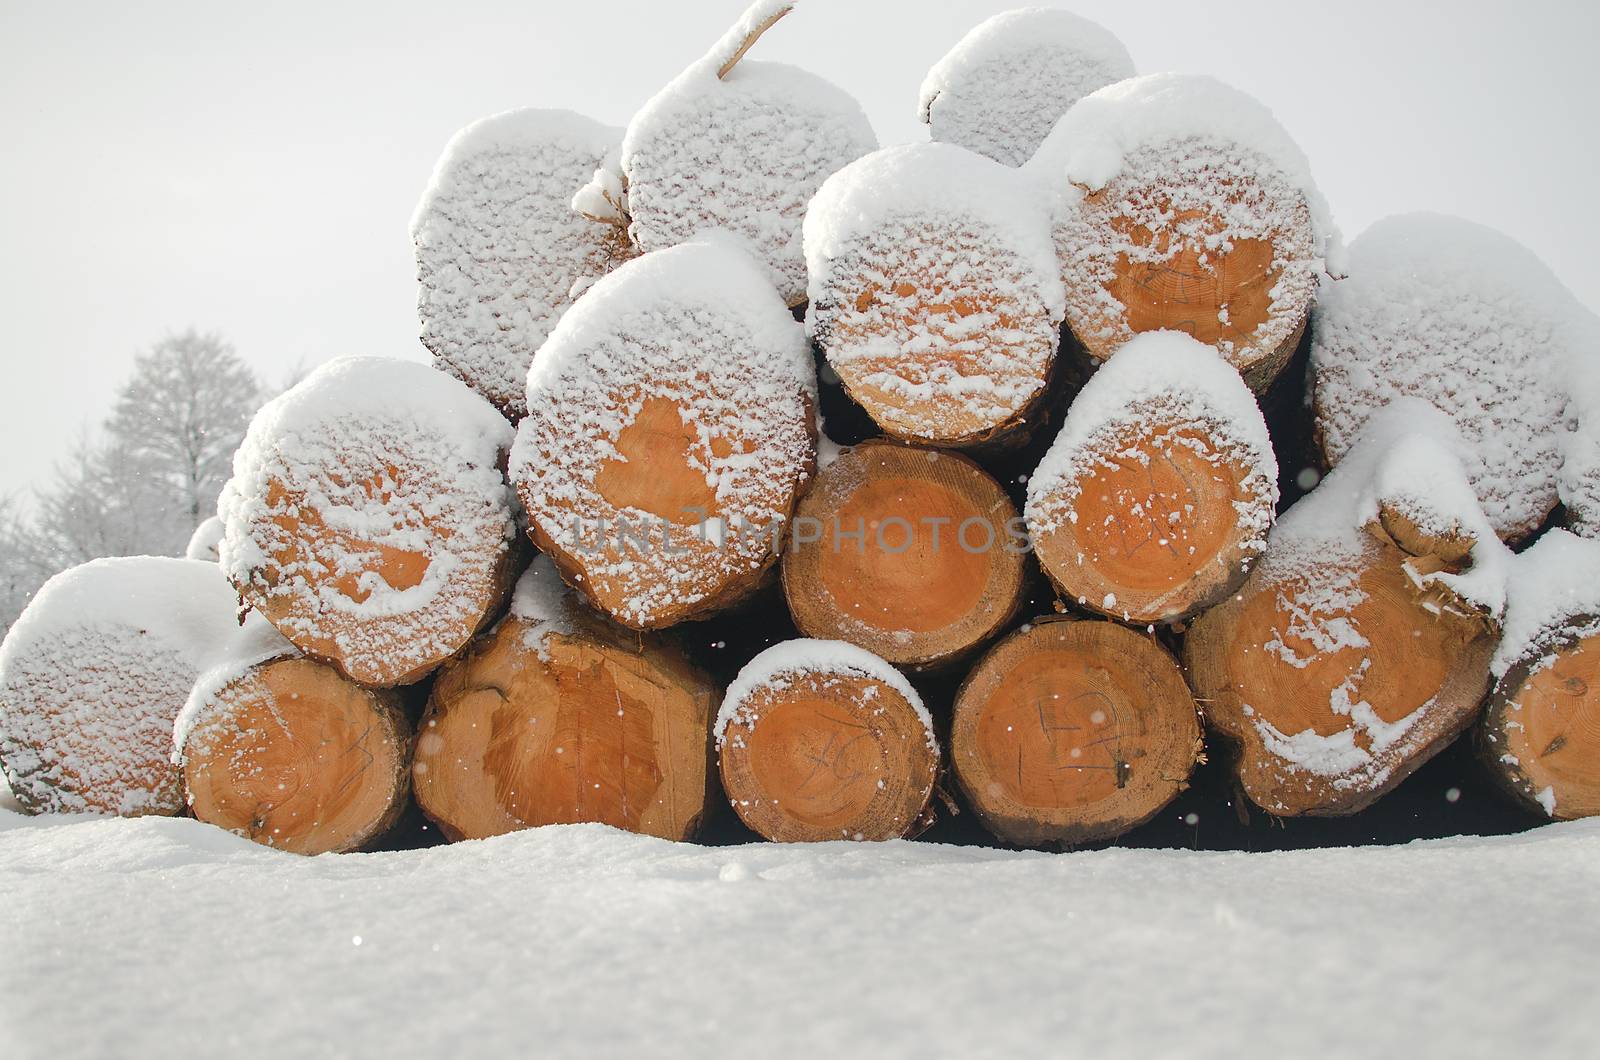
(1553,593)
(1098,139)
(168,937)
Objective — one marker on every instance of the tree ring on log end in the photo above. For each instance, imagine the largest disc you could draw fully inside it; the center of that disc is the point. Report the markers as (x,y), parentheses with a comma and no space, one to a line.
(582,723)
(903,551)
(295,756)
(820,755)
(1070,731)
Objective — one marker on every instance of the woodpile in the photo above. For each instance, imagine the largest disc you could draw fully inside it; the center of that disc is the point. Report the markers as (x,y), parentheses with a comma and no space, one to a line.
(1052,544)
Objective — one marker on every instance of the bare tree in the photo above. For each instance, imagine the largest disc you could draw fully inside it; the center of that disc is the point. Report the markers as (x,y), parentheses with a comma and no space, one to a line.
(179,419)
(167,451)
(25,562)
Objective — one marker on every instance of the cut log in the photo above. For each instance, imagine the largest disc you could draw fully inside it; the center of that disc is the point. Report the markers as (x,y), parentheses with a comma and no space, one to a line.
(293,755)
(1071,731)
(1344,662)
(1540,735)
(368,519)
(912,554)
(1470,321)
(821,740)
(1005,83)
(670,431)
(96,669)
(556,717)
(1184,206)
(500,252)
(1158,492)
(935,292)
(736,145)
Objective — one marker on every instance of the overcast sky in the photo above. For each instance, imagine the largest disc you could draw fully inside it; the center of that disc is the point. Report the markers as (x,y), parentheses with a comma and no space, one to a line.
(252,168)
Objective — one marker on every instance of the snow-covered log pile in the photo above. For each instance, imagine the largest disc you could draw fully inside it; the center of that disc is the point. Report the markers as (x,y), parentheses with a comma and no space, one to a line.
(1042,577)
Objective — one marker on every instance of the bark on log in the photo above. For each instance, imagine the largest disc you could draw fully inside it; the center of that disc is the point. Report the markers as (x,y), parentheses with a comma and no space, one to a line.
(557,717)
(293,755)
(1540,735)
(1338,681)
(912,554)
(836,747)
(1071,731)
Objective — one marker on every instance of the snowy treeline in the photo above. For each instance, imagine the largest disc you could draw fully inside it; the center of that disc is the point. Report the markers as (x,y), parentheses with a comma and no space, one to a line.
(149,478)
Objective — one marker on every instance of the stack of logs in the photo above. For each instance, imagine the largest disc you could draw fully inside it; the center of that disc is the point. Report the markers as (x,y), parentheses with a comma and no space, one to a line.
(1130,480)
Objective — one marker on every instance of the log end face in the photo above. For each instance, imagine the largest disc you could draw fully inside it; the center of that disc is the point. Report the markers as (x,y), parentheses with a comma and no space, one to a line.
(536,727)
(828,757)
(1336,682)
(905,552)
(1071,731)
(1162,526)
(1229,261)
(1541,733)
(294,756)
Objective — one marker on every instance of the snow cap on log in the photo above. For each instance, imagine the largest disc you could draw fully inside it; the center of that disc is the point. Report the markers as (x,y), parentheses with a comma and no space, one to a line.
(1005,83)
(500,253)
(935,292)
(1183,205)
(1553,593)
(1442,309)
(559,717)
(1360,645)
(203,543)
(736,144)
(95,671)
(823,740)
(1165,447)
(670,430)
(368,518)
(1540,735)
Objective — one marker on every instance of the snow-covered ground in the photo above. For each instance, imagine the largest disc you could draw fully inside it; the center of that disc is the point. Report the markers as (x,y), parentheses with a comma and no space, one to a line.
(168,937)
